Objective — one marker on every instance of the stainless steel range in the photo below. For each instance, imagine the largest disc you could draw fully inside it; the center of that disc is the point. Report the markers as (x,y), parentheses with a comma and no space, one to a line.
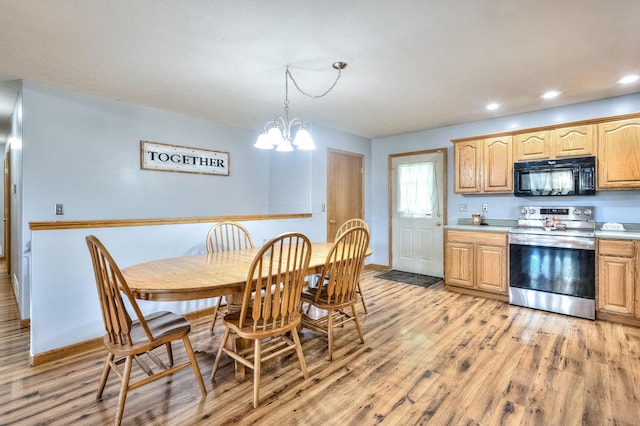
(552,260)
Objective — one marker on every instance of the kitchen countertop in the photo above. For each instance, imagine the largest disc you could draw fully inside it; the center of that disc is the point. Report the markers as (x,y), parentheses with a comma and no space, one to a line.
(488,225)
(480,228)
(631,232)
(621,235)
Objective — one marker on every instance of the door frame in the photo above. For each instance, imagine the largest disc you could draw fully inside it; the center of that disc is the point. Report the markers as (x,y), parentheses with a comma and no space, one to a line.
(445,187)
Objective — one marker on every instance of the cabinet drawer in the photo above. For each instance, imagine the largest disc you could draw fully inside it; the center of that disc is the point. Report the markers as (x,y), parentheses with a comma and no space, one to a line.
(618,248)
(487,238)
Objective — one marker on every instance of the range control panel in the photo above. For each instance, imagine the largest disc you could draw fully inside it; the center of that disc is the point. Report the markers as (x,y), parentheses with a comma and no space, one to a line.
(576,213)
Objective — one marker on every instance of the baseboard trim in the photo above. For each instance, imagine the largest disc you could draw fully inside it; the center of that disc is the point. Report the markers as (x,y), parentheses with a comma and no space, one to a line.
(479,293)
(83,347)
(65,352)
(376,267)
(617,318)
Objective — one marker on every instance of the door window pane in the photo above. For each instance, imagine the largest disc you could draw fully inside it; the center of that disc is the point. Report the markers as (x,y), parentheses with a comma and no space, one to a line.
(417,196)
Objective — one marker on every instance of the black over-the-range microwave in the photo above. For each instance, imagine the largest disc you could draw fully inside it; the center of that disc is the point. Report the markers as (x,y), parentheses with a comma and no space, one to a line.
(566,176)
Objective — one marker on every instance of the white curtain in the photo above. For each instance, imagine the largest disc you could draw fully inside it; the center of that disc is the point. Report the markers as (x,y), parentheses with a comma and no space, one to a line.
(551,182)
(417,193)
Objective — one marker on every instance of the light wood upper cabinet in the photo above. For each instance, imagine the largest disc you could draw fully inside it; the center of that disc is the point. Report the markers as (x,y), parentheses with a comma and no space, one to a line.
(532,146)
(619,154)
(467,159)
(498,165)
(575,141)
(617,264)
(483,166)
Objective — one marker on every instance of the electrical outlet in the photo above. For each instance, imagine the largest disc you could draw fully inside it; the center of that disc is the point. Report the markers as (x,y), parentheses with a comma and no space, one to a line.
(462,207)
(59,210)
(485,207)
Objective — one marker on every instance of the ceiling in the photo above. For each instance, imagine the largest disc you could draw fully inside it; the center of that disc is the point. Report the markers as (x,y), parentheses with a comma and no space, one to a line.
(412,64)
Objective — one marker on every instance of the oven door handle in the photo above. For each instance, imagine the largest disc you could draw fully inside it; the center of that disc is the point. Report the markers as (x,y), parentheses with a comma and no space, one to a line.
(579,243)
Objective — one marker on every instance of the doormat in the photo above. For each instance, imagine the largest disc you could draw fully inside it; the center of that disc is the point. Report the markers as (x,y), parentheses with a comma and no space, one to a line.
(409,278)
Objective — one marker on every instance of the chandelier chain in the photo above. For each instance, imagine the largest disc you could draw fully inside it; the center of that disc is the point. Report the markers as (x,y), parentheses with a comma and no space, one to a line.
(295,83)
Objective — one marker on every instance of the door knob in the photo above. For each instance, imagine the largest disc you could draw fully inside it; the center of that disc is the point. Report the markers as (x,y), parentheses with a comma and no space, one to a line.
(438,224)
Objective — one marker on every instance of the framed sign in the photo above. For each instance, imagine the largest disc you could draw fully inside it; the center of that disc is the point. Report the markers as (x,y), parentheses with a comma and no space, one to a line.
(171,158)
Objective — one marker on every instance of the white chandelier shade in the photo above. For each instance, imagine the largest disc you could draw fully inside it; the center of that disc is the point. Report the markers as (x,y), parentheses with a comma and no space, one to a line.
(278,134)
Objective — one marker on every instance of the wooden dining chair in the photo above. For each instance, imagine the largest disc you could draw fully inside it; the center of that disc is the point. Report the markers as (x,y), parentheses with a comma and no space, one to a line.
(352,223)
(127,339)
(225,236)
(269,312)
(340,275)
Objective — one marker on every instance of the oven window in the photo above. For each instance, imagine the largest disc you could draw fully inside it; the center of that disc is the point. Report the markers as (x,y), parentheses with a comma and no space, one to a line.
(553,269)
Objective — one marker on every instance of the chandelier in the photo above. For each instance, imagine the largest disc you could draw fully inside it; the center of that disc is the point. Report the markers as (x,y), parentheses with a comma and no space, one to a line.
(278,133)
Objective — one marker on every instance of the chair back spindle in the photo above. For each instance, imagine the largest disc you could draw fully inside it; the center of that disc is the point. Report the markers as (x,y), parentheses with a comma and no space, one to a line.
(349,224)
(277,276)
(343,266)
(225,236)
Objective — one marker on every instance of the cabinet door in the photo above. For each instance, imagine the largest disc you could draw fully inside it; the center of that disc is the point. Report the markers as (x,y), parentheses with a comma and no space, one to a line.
(459,264)
(619,154)
(498,165)
(467,162)
(616,284)
(578,141)
(531,146)
(491,268)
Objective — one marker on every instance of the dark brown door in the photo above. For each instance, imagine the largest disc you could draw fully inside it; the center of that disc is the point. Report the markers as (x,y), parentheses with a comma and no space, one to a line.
(345,189)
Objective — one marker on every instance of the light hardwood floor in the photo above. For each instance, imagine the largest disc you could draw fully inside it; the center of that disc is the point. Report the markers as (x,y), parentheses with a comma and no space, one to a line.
(431,357)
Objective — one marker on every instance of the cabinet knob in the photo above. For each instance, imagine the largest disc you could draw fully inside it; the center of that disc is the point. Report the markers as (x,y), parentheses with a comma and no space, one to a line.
(332,222)
(438,224)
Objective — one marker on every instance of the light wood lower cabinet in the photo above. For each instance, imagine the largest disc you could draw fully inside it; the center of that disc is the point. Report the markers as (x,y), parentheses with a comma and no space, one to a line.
(618,281)
(476,262)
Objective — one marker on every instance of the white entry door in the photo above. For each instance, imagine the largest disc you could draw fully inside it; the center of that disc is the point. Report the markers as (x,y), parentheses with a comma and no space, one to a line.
(417,206)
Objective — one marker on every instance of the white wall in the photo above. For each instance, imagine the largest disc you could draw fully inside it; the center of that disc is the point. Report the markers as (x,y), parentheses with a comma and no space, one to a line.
(64,304)
(19,259)
(620,206)
(83,151)
(80,148)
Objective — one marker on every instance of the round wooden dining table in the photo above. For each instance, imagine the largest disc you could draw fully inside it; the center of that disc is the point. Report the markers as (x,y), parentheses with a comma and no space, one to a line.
(205,275)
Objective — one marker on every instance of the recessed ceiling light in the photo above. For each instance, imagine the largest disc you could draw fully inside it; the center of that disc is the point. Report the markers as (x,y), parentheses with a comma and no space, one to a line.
(629,79)
(550,94)
(493,106)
